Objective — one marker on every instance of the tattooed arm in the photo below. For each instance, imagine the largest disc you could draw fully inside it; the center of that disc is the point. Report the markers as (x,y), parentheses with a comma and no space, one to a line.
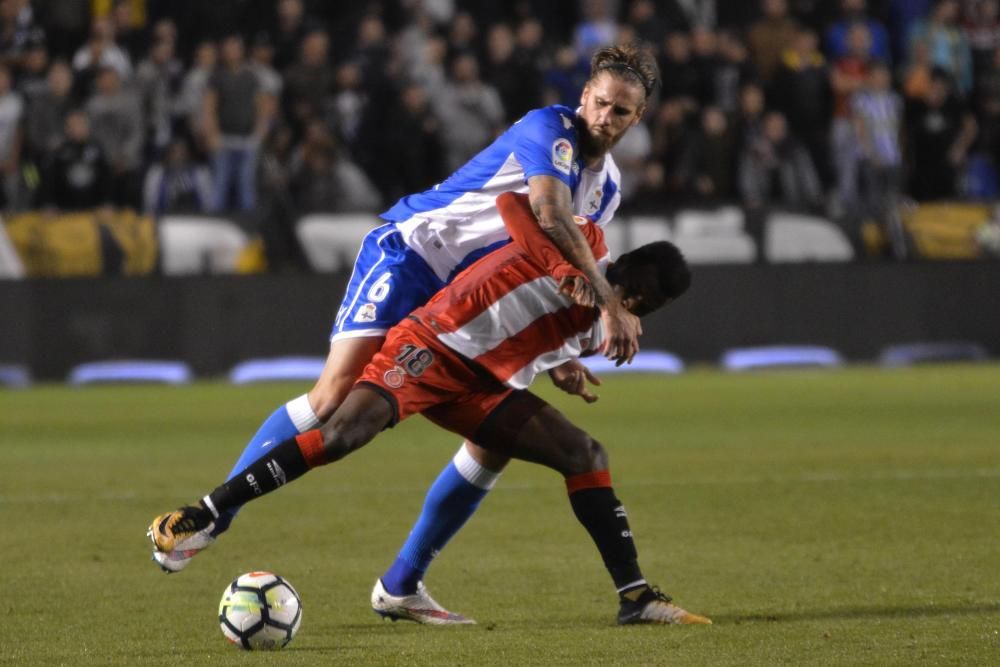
(552,204)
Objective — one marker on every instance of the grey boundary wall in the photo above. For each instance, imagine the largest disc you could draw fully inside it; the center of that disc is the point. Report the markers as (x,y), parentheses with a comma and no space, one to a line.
(214,322)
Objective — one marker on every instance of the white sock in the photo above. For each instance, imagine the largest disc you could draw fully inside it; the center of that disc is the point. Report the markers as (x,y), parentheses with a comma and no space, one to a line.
(301,413)
(474,473)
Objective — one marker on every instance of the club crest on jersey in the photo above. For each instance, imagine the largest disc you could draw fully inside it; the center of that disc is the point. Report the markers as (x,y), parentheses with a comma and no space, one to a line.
(394,377)
(562,155)
(366,313)
(595,203)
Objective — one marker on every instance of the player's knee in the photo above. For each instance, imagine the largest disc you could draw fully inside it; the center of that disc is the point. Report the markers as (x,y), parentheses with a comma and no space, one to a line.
(597,456)
(586,455)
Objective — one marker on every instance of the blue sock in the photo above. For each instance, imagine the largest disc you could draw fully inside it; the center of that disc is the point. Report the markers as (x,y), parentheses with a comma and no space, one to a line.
(286,422)
(451,500)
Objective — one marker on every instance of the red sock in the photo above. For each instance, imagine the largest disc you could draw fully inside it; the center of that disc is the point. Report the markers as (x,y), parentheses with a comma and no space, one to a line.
(311,446)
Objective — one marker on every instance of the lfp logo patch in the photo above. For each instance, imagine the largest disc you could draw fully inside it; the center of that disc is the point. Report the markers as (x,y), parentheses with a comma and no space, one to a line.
(562,155)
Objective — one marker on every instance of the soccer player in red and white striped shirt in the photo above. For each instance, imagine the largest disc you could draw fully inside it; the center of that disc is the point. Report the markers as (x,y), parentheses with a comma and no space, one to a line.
(463,361)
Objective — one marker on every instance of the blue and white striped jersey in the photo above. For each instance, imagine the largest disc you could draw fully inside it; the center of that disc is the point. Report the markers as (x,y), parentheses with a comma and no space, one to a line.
(456,222)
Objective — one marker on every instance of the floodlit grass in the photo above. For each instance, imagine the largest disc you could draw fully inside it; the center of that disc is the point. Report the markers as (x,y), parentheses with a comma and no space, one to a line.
(848,517)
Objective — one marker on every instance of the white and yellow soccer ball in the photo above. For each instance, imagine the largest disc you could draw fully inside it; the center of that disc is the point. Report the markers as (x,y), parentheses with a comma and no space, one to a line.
(260,610)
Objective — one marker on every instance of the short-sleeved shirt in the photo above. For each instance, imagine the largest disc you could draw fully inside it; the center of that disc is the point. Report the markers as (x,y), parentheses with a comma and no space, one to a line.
(237,100)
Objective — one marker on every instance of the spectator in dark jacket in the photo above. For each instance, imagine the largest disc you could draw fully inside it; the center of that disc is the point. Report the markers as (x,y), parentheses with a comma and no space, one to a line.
(678,70)
(129,32)
(769,37)
(730,72)
(802,92)
(177,184)
(309,82)
(941,132)
(709,162)
(77,176)
(117,124)
(470,109)
(47,109)
(157,80)
(518,81)
(291,28)
(776,169)
(414,135)
(653,20)
(324,180)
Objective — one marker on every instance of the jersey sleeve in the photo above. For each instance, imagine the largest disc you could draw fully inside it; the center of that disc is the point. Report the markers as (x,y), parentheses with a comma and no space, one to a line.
(526,233)
(546,144)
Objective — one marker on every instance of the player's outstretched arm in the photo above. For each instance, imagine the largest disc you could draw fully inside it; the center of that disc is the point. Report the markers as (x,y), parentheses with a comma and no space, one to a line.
(552,204)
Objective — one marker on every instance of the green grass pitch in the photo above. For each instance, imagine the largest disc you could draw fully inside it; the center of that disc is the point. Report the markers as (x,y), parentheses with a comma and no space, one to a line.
(826,518)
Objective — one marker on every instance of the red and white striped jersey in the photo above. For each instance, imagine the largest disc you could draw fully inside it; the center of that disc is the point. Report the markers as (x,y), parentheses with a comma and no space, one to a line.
(505,312)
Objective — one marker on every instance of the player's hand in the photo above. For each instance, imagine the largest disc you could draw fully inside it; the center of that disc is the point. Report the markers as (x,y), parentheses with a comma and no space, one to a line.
(623,331)
(572,377)
(579,289)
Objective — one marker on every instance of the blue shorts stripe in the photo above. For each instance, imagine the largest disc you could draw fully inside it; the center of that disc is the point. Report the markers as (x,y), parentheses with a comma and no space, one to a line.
(389,281)
(358,264)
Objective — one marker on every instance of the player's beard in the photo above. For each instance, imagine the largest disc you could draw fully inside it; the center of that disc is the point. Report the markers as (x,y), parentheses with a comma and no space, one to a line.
(596,144)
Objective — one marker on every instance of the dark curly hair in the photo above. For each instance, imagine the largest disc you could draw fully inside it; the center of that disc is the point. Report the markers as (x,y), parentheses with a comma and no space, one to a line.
(630,62)
(672,271)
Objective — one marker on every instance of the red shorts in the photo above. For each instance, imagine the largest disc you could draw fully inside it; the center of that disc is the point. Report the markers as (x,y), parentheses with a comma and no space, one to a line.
(418,374)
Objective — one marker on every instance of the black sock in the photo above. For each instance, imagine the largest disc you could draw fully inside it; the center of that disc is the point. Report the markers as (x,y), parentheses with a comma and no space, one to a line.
(284,463)
(603,515)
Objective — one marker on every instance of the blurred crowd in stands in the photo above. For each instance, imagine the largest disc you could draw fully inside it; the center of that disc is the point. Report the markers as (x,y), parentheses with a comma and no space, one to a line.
(277,108)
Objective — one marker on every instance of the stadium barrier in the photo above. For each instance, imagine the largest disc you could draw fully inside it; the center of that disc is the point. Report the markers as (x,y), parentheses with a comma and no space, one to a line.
(948,230)
(89,243)
(38,244)
(131,371)
(907,354)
